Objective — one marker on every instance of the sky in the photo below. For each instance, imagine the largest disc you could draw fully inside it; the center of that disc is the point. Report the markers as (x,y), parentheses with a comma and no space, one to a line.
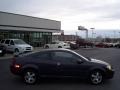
(99,14)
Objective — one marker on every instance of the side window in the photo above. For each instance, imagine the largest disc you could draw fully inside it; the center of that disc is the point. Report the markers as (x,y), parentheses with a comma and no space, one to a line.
(42,56)
(2,41)
(64,57)
(7,41)
(53,43)
(57,42)
(11,43)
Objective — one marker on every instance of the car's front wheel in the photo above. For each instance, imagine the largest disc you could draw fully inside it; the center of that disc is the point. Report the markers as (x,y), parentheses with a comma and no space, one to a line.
(59,46)
(96,77)
(30,77)
(46,46)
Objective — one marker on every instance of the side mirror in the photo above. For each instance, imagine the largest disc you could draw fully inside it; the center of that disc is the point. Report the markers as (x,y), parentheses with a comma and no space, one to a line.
(79,61)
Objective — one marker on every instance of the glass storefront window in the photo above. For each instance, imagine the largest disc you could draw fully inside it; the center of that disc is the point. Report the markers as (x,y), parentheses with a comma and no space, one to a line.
(40,35)
(33,38)
(37,35)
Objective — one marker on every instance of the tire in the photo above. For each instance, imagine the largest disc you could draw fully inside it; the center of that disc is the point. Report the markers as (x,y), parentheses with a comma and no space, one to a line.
(96,77)
(1,55)
(30,76)
(16,51)
(46,47)
(59,46)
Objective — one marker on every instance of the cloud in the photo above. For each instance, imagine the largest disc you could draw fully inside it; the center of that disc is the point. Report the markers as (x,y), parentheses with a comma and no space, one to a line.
(90,13)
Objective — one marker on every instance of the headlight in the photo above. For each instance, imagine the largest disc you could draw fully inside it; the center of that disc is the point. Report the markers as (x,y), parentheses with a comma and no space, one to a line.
(109,67)
(0,51)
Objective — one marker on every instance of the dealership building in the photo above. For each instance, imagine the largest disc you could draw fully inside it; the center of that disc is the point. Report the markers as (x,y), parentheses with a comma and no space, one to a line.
(33,30)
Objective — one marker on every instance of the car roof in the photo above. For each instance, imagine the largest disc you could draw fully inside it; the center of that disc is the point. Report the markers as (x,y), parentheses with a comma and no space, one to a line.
(55,49)
(42,51)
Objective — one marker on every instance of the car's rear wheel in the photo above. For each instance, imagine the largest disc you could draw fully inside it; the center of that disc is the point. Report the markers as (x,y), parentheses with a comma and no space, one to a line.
(16,51)
(96,77)
(59,46)
(46,46)
(30,77)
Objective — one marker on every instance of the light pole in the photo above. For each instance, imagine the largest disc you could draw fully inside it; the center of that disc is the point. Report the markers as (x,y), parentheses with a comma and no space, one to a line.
(114,36)
(83,29)
(119,35)
(92,32)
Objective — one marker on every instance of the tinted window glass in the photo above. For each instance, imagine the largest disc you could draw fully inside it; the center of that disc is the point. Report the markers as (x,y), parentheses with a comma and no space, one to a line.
(65,57)
(53,43)
(11,43)
(19,41)
(2,41)
(63,54)
(7,41)
(42,56)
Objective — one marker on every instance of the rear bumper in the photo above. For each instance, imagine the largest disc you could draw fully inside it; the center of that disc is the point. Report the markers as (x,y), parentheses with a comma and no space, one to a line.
(14,70)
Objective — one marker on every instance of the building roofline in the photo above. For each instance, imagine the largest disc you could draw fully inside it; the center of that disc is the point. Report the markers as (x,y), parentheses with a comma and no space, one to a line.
(28,16)
(27,27)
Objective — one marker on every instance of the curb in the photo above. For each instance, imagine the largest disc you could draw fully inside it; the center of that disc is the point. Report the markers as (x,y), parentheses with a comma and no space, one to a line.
(2,58)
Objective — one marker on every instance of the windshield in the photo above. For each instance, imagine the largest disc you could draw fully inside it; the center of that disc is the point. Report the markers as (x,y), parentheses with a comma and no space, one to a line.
(19,42)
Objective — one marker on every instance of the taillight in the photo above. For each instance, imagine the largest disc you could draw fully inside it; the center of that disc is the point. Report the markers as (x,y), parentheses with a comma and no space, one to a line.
(17,66)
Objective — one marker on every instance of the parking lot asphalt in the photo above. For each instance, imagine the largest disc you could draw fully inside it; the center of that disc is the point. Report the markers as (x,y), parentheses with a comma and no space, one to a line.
(9,81)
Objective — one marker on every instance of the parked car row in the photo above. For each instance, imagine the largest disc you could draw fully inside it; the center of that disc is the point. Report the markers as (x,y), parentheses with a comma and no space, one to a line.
(79,44)
(117,45)
(19,46)
(107,45)
(57,44)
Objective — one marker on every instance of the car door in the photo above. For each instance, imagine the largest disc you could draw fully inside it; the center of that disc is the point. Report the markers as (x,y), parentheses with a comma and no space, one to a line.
(11,46)
(7,45)
(54,45)
(45,64)
(69,64)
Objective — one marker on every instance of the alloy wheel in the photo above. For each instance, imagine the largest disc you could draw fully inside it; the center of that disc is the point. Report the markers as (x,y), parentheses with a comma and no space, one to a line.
(30,77)
(96,77)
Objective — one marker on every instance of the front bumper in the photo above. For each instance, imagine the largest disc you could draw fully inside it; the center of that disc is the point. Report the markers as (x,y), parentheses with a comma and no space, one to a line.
(26,50)
(109,74)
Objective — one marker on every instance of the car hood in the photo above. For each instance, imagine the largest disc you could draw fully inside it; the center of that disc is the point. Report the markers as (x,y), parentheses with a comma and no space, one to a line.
(99,61)
(23,45)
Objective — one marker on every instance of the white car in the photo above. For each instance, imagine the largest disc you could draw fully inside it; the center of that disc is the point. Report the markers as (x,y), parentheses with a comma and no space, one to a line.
(57,44)
(16,45)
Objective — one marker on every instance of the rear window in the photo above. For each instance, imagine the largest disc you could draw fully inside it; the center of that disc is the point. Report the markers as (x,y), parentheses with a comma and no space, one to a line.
(7,41)
(2,41)
(42,56)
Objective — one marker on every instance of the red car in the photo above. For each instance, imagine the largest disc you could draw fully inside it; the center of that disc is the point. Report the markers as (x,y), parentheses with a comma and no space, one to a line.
(102,45)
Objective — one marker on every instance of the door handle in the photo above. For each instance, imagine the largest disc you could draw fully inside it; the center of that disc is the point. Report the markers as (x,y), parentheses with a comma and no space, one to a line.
(58,63)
